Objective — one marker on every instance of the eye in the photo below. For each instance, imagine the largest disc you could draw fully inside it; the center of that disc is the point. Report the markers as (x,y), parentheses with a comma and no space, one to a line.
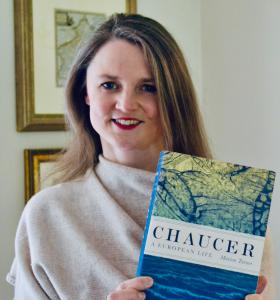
(110,85)
(149,88)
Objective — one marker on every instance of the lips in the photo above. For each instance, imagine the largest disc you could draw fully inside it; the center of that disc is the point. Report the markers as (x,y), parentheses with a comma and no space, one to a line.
(126,123)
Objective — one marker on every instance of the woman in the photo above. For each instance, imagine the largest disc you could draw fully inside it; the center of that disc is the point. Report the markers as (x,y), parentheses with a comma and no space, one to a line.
(129,96)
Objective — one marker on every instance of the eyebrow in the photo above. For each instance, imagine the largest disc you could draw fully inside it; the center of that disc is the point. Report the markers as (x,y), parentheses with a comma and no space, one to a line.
(112,77)
(108,76)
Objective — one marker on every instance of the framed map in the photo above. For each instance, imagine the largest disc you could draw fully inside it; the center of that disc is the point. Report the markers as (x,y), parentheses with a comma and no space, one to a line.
(71,29)
(47,34)
(38,164)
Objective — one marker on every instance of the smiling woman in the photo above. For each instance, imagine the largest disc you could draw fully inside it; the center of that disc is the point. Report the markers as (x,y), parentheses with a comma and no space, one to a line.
(150,56)
(129,96)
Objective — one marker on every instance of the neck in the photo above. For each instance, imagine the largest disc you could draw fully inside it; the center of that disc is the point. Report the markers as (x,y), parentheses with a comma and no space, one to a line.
(139,159)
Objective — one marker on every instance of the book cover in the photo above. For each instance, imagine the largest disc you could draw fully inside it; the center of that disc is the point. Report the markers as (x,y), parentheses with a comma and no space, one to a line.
(205,229)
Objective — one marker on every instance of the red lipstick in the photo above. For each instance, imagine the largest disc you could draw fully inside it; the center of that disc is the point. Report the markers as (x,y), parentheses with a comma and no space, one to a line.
(126,123)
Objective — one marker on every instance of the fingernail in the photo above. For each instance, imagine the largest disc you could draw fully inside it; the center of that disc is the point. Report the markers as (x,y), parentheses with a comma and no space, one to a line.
(148,281)
(142,296)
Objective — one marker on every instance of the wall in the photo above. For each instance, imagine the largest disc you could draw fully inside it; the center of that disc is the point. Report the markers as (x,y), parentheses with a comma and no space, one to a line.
(241,75)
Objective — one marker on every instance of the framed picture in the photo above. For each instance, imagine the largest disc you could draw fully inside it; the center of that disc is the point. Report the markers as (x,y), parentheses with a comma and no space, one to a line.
(37,166)
(47,35)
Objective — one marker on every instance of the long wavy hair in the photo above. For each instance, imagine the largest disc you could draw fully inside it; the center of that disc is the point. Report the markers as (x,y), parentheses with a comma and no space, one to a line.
(181,120)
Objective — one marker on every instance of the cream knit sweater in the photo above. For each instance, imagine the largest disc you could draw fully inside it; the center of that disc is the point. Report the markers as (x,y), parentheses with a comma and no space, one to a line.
(79,240)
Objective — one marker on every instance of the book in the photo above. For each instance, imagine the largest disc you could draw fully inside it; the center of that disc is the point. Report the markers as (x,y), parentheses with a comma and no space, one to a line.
(205,228)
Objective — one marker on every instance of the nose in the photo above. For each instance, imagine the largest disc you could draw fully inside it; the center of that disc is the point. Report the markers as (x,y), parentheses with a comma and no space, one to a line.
(126,101)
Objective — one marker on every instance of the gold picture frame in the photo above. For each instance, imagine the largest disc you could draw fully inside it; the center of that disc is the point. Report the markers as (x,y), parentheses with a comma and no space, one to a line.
(35,163)
(28,117)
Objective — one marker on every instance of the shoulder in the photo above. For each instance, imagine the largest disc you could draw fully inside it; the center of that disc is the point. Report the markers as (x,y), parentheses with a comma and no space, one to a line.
(53,201)
(56,207)
(58,192)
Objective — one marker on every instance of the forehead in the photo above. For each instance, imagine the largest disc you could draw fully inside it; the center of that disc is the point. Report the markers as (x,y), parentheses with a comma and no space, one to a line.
(120,58)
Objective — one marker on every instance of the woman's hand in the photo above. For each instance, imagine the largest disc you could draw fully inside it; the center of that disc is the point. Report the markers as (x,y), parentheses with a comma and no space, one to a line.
(132,289)
(262,283)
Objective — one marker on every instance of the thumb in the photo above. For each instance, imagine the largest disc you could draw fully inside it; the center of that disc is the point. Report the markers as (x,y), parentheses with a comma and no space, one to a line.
(262,283)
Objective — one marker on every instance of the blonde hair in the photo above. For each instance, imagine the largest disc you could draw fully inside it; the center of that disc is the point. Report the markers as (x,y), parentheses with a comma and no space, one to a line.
(181,120)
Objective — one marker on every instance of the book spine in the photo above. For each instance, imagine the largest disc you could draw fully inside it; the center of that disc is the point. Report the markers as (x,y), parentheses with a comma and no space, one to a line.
(153,198)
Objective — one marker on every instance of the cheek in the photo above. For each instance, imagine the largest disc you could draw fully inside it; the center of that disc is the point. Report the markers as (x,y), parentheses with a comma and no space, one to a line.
(100,108)
(152,111)
(97,116)
(153,114)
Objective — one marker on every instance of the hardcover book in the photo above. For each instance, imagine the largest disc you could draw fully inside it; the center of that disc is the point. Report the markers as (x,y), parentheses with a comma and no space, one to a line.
(205,229)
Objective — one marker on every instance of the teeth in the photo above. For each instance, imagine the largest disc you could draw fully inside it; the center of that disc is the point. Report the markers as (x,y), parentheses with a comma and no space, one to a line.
(127,122)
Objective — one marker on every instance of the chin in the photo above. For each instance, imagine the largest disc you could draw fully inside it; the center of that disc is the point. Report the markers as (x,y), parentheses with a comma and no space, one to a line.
(130,146)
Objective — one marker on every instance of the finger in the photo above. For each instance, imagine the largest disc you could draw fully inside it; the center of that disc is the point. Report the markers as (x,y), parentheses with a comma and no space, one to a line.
(254,297)
(127,294)
(262,284)
(138,283)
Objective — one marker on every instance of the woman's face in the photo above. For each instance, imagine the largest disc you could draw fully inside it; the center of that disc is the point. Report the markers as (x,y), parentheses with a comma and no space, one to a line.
(123,100)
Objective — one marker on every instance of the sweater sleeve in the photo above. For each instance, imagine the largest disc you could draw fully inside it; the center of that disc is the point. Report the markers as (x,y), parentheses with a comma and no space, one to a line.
(29,279)
(267,268)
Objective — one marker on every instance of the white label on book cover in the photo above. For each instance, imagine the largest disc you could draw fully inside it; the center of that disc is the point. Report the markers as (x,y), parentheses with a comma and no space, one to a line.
(204,245)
